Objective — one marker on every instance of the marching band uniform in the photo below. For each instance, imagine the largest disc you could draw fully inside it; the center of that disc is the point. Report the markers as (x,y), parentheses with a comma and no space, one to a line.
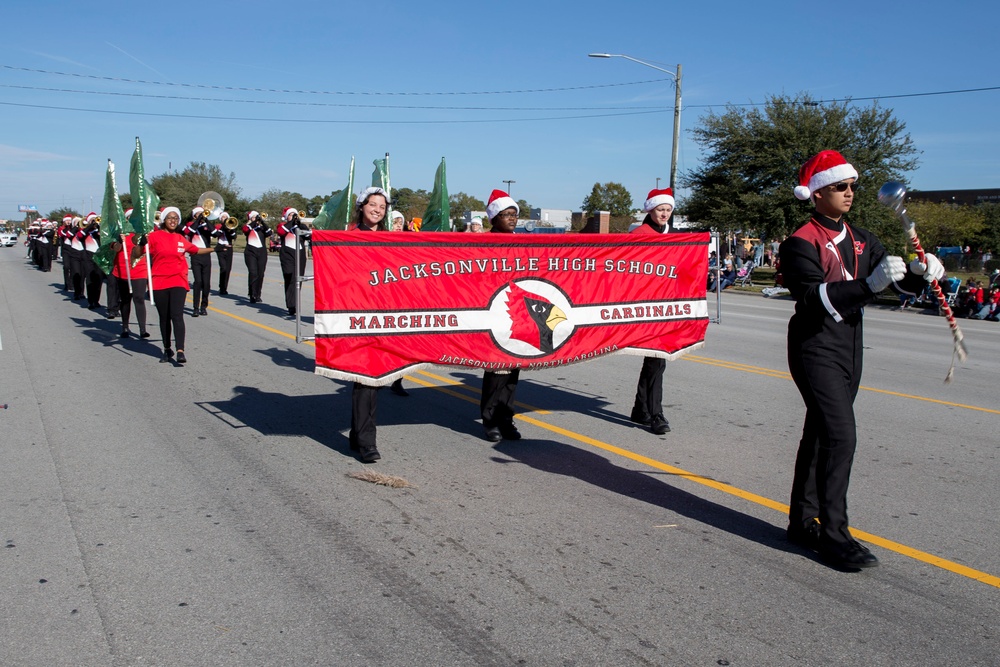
(199,232)
(224,239)
(77,276)
(496,405)
(131,292)
(255,254)
(90,237)
(44,243)
(290,249)
(833,270)
(66,241)
(648,406)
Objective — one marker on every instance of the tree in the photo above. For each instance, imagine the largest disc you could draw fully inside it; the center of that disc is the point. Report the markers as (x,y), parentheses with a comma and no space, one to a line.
(752,158)
(462,203)
(274,201)
(614,198)
(411,203)
(184,188)
(521,204)
(60,213)
(989,237)
(945,224)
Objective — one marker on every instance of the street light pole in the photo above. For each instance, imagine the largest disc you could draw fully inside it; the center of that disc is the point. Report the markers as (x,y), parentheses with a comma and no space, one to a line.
(508,185)
(677,106)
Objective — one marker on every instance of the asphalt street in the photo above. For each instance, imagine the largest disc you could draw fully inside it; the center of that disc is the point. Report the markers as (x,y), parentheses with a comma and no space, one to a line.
(152,514)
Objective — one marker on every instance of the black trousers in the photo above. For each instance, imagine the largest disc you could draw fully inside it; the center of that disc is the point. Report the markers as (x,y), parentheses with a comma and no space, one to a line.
(829,438)
(114,298)
(201,268)
(496,406)
(364,401)
(170,307)
(129,295)
(649,392)
(94,279)
(225,255)
(256,261)
(45,256)
(67,252)
(77,274)
(287,258)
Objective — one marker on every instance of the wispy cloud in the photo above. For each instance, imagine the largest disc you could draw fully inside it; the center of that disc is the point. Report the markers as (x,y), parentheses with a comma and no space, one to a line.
(62,59)
(14,155)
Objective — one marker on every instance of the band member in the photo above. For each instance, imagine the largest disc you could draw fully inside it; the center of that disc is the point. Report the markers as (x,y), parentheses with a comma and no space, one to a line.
(648,406)
(46,243)
(369,216)
(65,237)
(225,237)
(167,248)
(832,269)
(77,275)
(292,254)
(90,236)
(496,405)
(255,254)
(131,277)
(199,232)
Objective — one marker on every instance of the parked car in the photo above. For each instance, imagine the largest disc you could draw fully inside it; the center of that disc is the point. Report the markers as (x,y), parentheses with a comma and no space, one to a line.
(7,239)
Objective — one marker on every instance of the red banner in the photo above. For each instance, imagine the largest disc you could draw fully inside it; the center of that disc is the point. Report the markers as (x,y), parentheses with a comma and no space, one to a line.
(388,303)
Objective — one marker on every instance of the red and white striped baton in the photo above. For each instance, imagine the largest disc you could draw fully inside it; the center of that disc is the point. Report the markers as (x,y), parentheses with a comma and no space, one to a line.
(892,194)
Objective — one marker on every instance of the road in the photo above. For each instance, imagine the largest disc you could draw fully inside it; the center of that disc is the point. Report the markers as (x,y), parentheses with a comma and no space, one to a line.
(160,515)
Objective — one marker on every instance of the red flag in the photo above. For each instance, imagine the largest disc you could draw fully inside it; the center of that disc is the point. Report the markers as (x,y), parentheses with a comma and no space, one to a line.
(390,303)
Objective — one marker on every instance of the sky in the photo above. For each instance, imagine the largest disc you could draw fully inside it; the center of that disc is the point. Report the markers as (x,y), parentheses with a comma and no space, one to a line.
(284,94)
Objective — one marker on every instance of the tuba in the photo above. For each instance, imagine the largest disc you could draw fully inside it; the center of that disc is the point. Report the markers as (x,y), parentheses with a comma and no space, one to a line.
(213,204)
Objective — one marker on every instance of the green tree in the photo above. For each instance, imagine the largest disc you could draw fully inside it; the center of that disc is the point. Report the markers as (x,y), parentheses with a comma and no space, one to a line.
(945,224)
(60,213)
(614,198)
(461,203)
(752,158)
(521,204)
(274,201)
(182,189)
(411,203)
(989,237)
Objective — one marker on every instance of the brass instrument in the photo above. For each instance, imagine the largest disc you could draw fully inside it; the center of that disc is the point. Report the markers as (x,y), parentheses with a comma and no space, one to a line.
(263,215)
(231,222)
(213,204)
(97,220)
(302,214)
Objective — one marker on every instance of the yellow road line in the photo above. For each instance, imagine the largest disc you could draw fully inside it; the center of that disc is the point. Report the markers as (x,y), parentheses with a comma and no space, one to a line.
(889,545)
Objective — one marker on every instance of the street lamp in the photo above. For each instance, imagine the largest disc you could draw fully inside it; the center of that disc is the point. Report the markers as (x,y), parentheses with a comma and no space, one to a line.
(657,182)
(677,106)
(508,185)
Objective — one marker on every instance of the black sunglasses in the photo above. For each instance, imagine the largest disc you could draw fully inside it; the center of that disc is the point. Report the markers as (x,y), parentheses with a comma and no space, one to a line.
(842,187)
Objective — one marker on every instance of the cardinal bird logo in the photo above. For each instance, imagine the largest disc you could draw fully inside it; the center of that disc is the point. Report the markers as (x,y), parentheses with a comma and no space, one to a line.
(533,318)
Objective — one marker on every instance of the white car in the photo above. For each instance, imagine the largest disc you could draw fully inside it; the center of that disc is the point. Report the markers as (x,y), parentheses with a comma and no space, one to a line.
(7,240)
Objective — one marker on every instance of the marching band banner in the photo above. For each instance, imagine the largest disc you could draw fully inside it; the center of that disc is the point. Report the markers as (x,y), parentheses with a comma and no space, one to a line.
(388,303)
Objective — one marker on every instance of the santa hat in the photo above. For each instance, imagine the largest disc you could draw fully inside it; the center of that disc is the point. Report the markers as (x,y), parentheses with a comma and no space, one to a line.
(288,212)
(91,216)
(251,215)
(196,210)
(223,216)
(77,220)
(499,201)
(821,170)
(168,210)
(128,213)
(657,197)
(67,219)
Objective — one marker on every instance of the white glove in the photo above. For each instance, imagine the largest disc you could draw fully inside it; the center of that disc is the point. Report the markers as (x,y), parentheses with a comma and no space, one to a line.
(889,270)
(932,270)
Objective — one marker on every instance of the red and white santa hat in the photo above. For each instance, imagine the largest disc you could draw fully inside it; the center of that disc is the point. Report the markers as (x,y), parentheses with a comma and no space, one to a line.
(499,201)
(170,209)
(657,197)
(196,210)
(251,215)
(91,217)
(823,169)
(67,219)
(288,212)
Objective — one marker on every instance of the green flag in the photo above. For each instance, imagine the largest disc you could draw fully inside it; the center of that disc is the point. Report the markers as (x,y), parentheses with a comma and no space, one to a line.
(145,202)
(112,222)
(437,218)
(380,179)
(336,212)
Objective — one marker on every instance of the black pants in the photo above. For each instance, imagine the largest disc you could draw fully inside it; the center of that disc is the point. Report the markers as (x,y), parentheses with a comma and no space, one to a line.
(170,307)
(94,279)
(201,268)
(256,261)
(225,255)
(45,256)
(77,274)
(287,258)
(649,392)
(129,295)
(497,402)
(114,298)
(364,401)
(829,439)
(67,252)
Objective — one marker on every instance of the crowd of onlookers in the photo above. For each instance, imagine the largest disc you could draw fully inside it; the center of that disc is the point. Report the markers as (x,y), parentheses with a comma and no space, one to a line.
(973,300)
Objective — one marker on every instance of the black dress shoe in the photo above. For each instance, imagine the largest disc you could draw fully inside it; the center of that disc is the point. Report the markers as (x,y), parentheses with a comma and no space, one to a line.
(168,355)
(223,292)
(194,313)
(493,433)
(144,334)
(659,425)
(397,388)
(370,454)
(509,432)
(850,556)
(204,311)
(805,536)
(125,334)
(639,417)
(181,359)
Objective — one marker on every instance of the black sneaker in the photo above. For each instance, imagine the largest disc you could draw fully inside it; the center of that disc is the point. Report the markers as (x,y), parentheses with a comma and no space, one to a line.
(194,313)
(125,333)
(181,359)
(639,416)
(805,536)
(509,432)
(659,425)
(850,556)
(168,356)
(204,311)
(144,334)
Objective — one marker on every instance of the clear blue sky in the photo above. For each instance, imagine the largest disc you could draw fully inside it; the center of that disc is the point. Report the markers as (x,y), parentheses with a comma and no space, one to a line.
(590,122)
